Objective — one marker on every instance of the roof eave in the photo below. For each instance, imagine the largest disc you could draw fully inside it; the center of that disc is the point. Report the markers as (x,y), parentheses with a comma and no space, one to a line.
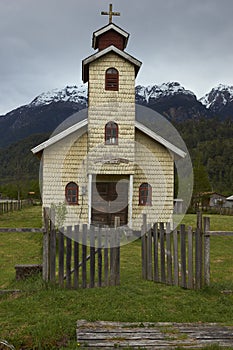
(112,48)
(175,150)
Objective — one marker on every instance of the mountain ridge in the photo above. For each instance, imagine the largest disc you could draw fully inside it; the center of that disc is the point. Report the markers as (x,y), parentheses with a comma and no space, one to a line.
(46,111)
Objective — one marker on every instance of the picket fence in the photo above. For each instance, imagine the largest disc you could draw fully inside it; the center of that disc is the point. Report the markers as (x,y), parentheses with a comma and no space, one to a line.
(173,257)
(81,257)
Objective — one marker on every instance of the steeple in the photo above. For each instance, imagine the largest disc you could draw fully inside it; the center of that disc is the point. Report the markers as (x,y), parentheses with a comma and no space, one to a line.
(110,34)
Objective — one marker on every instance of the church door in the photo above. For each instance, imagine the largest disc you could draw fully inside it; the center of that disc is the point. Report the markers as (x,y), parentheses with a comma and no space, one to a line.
(109,200)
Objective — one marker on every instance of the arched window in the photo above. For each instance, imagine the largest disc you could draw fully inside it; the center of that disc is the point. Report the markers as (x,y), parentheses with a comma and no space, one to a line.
(111,79)
(145,194)
(111,133)
(72,193)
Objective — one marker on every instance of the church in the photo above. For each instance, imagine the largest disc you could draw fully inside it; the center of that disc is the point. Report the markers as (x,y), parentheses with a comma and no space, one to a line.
(109,163)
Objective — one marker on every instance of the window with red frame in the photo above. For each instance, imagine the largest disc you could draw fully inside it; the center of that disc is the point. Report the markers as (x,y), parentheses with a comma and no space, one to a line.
(145,194)
(111,133)
(71,192)
(111,79)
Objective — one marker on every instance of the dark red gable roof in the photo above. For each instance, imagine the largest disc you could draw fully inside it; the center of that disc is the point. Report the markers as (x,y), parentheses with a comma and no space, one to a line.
(110,35)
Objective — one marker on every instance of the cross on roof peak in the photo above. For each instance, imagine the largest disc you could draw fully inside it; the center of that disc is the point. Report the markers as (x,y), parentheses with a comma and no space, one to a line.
(110,13)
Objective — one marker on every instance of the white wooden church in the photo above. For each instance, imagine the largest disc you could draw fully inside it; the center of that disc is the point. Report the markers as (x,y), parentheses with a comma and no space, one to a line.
(109,163)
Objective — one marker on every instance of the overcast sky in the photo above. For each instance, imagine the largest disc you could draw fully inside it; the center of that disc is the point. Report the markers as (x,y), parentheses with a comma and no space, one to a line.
(43,42)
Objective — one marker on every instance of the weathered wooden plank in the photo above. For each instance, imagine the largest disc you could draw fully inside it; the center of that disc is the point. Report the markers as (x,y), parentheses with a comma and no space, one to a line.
(151,335)
(21,230)
(162,253)
(156,252)
(61,259)
(144,247)
(175,257)
(76,257)
(198,253)
(190,257)
(149,276)
(52,268)
(183,255)
(106,257)
(169,255)
(92,257)
(206,252)
(84,256)
(219,233)
(45,269)
(101,237)
(68,256)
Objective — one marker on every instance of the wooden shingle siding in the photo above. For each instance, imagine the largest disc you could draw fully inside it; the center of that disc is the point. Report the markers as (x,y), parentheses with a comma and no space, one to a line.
(105,106)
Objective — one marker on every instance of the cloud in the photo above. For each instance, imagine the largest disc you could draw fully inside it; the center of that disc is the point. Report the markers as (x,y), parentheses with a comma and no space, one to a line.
(43,43)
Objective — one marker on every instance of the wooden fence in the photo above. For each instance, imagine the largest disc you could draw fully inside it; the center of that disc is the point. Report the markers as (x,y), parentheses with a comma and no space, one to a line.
(173,257)
(78,257)
(13,205)
(207,236)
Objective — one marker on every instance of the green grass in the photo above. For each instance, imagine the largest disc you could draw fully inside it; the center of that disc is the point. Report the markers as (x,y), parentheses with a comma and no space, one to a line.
(44,316)
(28,217)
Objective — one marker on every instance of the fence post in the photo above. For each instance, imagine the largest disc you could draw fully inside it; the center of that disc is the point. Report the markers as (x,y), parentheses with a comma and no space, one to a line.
(68,256)
(162,253)
(76,257)
(45,270)
(156,252)
(176,260)
(84,256)
(190,257)
(92,257)
(206,251)
(117,224)
(169,255)
(61,259)
(183,255)
(52,256)
(198,260)
(144,246)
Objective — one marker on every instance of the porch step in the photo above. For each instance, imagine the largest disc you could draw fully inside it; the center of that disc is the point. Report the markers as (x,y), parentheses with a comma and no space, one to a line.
(144,335)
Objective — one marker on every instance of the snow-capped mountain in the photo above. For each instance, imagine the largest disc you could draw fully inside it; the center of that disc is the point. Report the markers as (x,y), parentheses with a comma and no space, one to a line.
(170,99)
(156,92)
(74,94)
(219,99)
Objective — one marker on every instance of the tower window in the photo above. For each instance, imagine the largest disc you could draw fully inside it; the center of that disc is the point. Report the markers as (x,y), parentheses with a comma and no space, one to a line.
(145,194)
(71,193)
(111,133)
(112,79)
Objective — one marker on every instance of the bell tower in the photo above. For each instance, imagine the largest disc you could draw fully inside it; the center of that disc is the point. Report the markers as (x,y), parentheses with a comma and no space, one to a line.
(111,73)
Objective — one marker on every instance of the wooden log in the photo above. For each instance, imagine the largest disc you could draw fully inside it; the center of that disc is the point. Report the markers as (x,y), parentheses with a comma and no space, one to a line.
(76,257)
(183,255)
(162,253)
(190,257)
(68,256)
(156,252)
(169,255)
(206,251)
(61,258)
(84,256)
(175,257)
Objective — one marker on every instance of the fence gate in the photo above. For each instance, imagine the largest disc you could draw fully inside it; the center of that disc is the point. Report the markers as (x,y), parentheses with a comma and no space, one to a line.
(78,257)
(173,257)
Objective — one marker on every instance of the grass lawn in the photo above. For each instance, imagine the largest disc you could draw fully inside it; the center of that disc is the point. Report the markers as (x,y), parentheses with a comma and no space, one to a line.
(44,316)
